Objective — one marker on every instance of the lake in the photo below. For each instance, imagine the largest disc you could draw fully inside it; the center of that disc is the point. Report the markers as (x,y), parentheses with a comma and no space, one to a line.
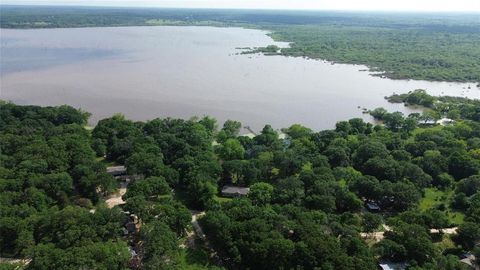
(169,71)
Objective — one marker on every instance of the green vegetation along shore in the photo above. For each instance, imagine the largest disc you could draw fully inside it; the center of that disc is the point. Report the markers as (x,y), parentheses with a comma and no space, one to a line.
(434,47)
(405,192)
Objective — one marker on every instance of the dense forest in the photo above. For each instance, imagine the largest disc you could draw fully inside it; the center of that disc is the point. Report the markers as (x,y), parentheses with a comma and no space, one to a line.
(404,191)
(437,47)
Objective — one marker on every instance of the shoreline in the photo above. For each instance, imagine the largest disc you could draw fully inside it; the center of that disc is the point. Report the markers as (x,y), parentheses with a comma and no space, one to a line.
(268,32)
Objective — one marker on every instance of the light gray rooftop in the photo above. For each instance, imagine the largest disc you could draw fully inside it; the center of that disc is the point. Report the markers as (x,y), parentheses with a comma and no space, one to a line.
(116,169)
(235,190)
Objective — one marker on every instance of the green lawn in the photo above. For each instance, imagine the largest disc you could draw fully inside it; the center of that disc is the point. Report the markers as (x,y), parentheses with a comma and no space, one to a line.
(434,198)
(446,243)
(422,129)
(419,130)
(222,199)
(456,218)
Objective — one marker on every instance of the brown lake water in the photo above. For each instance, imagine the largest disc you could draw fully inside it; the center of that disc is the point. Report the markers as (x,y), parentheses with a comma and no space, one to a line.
(169,71)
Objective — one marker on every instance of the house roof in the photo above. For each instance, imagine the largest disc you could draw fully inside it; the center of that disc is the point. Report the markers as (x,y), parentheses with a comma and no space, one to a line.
(468,258)
(116,169)
(373,206)
(392,266)
(467,261)
(235,190)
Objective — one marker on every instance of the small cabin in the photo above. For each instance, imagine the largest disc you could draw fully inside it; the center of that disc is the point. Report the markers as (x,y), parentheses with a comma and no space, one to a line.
(233,191)
(372,206)
(117,170)
(445,121)
(392,266)
(469,260)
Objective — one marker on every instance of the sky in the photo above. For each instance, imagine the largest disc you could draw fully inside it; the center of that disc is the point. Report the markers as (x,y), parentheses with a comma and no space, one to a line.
(361,5)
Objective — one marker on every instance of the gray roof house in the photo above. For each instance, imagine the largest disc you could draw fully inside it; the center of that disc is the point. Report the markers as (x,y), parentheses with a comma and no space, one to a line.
(233,191)
(372,206)
(470,260)
(117,170)
(392,266)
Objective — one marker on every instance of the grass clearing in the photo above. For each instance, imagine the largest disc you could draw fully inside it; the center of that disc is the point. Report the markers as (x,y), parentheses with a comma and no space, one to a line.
(420,130)
(423,129)
(222,199)
(455,218)
(446,243)
(434,198)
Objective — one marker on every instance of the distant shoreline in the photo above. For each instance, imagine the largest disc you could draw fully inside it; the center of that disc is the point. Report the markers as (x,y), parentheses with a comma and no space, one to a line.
(438,47)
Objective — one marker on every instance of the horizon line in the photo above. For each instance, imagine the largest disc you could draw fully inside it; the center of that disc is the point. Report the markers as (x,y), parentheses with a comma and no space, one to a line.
(247,9)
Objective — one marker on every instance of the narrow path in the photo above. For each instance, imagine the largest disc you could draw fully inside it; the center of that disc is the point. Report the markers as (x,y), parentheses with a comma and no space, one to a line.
(116,199)
(378,236)
(196,227)
(197,232)
(15,261)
